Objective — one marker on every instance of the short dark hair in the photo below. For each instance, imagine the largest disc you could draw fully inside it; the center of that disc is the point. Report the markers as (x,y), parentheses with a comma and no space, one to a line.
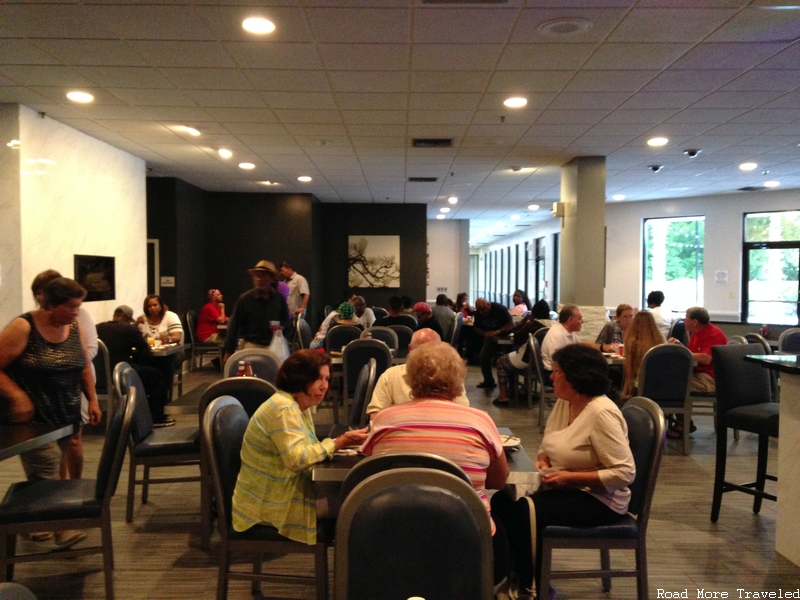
(287,264)
(699,314)
(567,311)
(61,290)
(161,304)
(300,370)
(407,302)
(42,279)
(541,310)
(585,369)
(656,298)
(396,303)
(441,300)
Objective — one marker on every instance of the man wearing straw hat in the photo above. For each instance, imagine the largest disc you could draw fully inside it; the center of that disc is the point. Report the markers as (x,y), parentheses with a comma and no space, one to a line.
(256,310)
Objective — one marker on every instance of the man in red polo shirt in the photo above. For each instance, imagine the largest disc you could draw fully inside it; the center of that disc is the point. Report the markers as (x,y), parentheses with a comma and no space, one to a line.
(704,335)
(212,314)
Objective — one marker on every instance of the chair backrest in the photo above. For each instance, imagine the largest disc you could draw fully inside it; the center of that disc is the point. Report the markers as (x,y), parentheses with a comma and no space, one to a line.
(380,312)
(384,334)
(665,374)
(357,354)
(264,362)
(540,334)
(142,423)
(409,321)
(646,436)
(327,310)
(191,323)
(102,370)
(677,330)
(757,338)
(536,358)
(737,340)
(303,333)
(339,336)
(15,591)
(739,382)
(413,533)
(377,463)
(224,425)
(789,341)
(362,395)
(251,392)
(404,335)
(113,453)
(458,322)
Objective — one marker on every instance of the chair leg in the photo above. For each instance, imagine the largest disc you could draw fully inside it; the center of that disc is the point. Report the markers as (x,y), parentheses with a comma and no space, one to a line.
(131,489)
(514,380)
(541,407)
(641,567)
(145,484)
(719,471)
(321,570)
(206,525)
(6,550)
(108,554)
(255,586)
(547,564)
(224,567)
(687,428)
(761,470)
(529,390)
(605,564)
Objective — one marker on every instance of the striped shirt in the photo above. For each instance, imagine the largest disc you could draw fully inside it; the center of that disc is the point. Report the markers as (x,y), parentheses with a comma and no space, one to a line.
(274,485)
(467,436)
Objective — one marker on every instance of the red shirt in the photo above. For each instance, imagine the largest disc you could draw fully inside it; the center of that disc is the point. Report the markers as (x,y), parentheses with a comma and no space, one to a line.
(207,321)
(701,342)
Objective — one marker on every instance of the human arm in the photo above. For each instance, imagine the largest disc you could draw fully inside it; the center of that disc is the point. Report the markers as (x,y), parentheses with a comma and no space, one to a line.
(232,337)
(381,396)
(87,379)
(13,340)
(174,328)
(497,472)
(303,304)
(222,318)
(89,331)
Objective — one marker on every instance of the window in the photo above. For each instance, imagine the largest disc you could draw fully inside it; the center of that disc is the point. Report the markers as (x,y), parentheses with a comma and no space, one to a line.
(770,257)
(673,260)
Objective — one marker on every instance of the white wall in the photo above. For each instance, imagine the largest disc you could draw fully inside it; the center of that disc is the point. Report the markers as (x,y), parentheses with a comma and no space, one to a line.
(10,245)
(448,258)
(86,198)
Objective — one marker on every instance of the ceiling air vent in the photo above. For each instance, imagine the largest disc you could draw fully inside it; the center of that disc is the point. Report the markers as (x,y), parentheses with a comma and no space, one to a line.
(423,179)
(432,143)
(752,188)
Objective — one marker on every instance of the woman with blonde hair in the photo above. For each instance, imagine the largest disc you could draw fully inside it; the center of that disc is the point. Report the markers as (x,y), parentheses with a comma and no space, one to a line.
(642,335)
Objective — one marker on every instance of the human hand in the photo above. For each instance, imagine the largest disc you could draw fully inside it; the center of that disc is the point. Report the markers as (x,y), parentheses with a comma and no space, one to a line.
(95,414)
(491,334)
(673,340)
(299,311)
(351,438)
(222,306)
(21,408)
(140,320)
(557,478)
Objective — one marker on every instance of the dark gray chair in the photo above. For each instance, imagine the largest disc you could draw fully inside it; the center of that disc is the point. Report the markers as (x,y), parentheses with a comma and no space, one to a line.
(153,447)
(380,312)
(303,334)
(409,321)
(384,334)
(646,435)
(678,331)
(744,402)
(664,377)
(413,532)
(361,398)
(404,335)
(546,391)
(339,336)
(757,338)
(455,336)
(540,334)
(103,384)
(51,505)
(357,354)
(200,349)
(224,426)
(251,392)
(789,341)
(264,362)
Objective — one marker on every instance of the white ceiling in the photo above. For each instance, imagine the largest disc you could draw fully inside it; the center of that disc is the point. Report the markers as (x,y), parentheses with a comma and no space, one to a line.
(341,87)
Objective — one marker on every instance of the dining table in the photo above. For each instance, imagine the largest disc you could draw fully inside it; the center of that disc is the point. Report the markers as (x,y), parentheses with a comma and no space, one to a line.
(22,437)
(165,350)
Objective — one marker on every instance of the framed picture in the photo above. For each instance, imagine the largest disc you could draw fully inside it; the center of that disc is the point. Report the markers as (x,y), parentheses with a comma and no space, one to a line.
(373,261)
(96,275)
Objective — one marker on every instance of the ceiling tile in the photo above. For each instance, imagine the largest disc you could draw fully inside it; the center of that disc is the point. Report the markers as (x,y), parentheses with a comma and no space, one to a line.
(151,22)
(307,116)
(635,56)
(732,55)
(735,99)
(225,21)
(183,114)
(374,81)
(443,101)
(365,57)
(657,100)
(609,81)
(359,25)
(129,77)
(146,97)
(756,25)
(389,117)
(603,18)
(272,55)
(585,100)
(545,57)
(210,98)
(299,100)
(458,57)
(107,53)
(24,52)
(452,26)
(57,20)
(40,75)
(449,81)
(282,80)
(239,115)
(207,79)
(669,25)
(316,129)
(367,101)
(183,54)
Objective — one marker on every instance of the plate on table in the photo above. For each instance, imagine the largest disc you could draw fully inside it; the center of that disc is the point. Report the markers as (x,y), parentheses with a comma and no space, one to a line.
(335,354)
(510,442)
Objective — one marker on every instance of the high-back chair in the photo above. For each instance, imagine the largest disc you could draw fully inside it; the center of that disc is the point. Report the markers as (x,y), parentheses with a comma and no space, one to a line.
(789,341)
(339,336)
(361,397)
(458,322)
(404,335)
(251,392)
(664,377)
(744,402)
(224,426)
(384,334)
(153,447)
(103,383)
(677,330)
(757,338)
(265,363)
(546,391)
(540,334)
(409,321)
(199,349)
(303,334)
(380,312)
(413,533)
(646,436)
(47,505)
(357,354)
(736,340)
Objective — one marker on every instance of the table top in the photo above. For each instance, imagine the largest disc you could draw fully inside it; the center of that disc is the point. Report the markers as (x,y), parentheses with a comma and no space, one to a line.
(169,350)
(19,438)
(785,363)
(396,360)
(614,359)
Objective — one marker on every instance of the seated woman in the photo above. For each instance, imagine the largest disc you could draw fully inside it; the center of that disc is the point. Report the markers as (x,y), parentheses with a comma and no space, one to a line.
(585,461)
(517,361)
(522,303)
(433,423)
(274,486)
(615,330)
(642,335)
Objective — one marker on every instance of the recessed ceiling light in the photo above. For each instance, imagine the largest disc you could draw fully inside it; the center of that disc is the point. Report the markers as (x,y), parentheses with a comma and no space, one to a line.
(514,217)
(618,197)
(533,207)
(771,184)
(440,216)
(269,182)
(748,166)
(224,153)
(82,97)
(515,102)
(452,200)
(304,178)
(445,209)
(657,142)
(190,130)
(247,166)
(14,144)
(258,25)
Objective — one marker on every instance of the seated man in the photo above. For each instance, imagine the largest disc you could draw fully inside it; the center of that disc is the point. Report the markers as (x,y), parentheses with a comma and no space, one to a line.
(365,316)
(425,318)
(703,335)
(443,314)
(392,387)
(211,315)
(491,320)
(126,343)
(396,316)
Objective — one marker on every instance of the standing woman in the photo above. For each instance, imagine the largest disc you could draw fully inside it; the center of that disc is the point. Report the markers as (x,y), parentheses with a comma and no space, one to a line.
(44,366)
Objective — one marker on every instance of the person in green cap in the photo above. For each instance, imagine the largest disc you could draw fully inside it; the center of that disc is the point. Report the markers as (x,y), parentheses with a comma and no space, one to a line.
(344,315)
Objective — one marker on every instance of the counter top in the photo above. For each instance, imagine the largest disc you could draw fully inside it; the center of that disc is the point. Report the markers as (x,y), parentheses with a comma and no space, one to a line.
(785,363)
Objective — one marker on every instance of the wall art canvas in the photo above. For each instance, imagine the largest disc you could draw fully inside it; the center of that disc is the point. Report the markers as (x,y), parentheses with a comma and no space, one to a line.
(96,275)
(373,261)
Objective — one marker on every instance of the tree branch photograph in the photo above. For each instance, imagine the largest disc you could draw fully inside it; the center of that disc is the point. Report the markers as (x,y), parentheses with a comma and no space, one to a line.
(373,261)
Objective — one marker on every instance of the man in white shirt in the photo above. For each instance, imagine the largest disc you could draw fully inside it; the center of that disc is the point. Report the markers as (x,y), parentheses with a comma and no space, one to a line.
(298,289)
(364,315)
(654,301)
(392,387)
